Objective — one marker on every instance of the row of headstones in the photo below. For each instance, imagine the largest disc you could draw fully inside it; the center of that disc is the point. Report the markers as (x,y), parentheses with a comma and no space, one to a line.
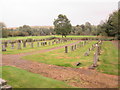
(96,54)
(4,86)
(19,44)
(75,46)
(5,42)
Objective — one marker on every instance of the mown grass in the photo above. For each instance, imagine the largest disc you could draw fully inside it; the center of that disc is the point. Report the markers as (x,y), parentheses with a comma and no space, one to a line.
(58,57)
(30,49)
(41,37)
(19,78)
(26,37)
(109,59)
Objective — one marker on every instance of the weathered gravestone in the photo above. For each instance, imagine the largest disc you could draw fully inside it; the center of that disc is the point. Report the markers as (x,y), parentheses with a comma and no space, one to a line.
(4,86)
(32,44)
(66,49)
(3,48)
(87,53)
(95,60)
(24,43)
(72,48)
(5,43)
(38,44)
(12,45)
(49,43)
(75,46)
(19,44)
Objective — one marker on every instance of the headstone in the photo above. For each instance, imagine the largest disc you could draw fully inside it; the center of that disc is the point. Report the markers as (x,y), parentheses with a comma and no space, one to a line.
(19,44)
(12,45)
(5,43)
(24,44)
(38,44)
(95,59)
(72,49)
(3,48)
(32,45)
(49,43)
(66,49)
(75,46)
(87,53)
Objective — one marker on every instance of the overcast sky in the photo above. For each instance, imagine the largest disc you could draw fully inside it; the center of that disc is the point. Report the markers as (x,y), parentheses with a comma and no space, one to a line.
(16,13)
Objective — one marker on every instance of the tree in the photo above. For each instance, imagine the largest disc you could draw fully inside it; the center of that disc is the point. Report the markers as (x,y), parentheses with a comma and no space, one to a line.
(62,25)
(110,27)
(3,30)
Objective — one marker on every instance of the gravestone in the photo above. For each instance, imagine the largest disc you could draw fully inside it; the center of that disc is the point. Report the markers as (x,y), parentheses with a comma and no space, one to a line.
(72,49)
(95,59)
(5,43)
(19,44)
(32,45)
(3,48)
(12,45)
(66,49)
(49,43)
(24,43)
(87,53)
(38,44)
(75,46)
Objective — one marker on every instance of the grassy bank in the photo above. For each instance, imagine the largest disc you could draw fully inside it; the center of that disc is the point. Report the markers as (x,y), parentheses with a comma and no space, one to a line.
(19,78)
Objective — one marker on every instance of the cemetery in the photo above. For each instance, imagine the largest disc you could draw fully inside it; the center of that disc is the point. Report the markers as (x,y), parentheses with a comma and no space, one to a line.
(50,58)
(66,44)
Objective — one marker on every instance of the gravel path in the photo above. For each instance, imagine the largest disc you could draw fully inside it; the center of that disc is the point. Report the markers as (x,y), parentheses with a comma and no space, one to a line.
(78,77)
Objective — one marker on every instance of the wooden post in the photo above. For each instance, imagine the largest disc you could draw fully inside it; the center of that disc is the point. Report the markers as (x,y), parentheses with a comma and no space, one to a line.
(66,49)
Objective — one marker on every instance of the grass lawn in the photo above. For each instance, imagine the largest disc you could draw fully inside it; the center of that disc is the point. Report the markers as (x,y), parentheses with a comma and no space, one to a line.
(19,78)
(29,49)
(33,37)
(108,59)
(58,57)
(41,37)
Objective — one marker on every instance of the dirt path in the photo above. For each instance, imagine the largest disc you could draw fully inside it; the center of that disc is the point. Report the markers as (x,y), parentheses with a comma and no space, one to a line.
(80,77)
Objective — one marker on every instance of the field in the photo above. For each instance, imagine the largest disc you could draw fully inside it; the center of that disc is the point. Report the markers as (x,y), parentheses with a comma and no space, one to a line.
(50,67)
